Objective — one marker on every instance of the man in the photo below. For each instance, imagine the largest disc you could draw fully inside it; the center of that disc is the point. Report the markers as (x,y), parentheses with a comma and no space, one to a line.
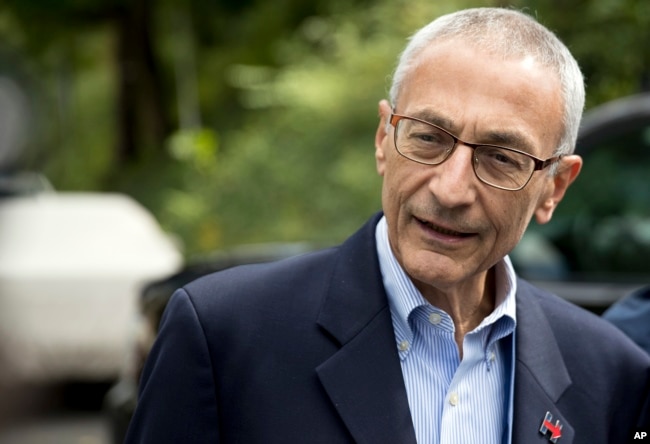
(416,329)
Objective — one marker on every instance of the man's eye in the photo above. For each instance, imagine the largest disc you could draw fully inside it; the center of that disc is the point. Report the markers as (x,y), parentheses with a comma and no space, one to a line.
(434,138)
(503,159)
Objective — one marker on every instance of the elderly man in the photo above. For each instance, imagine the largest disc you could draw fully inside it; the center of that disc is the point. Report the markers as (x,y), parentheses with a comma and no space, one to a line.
(416,329)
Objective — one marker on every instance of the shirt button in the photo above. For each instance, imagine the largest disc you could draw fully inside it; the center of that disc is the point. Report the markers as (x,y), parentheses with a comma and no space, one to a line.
(404,345)
(435,318)
(453,399)
(492,356)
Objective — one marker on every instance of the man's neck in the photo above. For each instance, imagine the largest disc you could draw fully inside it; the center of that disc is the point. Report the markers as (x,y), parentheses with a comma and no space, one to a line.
(467,304)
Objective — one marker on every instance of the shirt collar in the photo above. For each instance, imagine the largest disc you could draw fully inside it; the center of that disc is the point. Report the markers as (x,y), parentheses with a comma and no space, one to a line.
(404,297)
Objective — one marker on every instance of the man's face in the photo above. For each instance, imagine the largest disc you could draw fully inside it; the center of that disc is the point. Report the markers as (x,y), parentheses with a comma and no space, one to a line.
(447,228)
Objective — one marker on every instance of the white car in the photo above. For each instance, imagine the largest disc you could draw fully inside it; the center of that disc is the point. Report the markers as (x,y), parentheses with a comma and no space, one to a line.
(71,268)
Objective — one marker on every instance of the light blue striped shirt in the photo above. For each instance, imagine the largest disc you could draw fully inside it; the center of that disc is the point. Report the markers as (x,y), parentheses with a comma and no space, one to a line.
(453,401)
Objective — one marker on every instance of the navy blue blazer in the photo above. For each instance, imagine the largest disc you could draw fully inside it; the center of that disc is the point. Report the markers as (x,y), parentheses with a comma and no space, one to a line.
(303,351)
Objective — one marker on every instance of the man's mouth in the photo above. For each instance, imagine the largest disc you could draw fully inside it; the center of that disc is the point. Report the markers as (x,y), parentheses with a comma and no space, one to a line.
(441,230)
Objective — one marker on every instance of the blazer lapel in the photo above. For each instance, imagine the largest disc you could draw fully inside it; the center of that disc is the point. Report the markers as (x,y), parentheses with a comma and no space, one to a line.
(541,376)
(364,378)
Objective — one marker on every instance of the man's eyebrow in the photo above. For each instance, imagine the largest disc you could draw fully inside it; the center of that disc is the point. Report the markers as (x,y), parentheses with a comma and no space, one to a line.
(436,119)
(509,139)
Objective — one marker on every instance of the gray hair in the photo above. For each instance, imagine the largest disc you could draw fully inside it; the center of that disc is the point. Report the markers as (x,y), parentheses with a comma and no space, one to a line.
(510,34)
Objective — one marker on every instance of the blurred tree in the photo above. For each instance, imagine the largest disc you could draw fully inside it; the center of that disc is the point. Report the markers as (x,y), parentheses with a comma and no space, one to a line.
(247,120)
(141,109)
(299,164)
(609,38)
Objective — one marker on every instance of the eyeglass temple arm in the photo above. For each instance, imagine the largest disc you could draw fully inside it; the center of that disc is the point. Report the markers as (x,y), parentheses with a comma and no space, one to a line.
(541,164)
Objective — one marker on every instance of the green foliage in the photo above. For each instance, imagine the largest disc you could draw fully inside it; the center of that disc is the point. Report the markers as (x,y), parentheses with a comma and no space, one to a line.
(80,153)
(279,145)
(300,165)
(609,38)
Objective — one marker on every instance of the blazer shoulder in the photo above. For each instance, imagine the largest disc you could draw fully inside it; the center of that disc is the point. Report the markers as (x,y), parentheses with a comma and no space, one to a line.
(290,281)
(577,329)
(264,283)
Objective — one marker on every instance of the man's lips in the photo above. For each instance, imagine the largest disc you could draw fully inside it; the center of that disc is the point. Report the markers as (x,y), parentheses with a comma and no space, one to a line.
(443,230)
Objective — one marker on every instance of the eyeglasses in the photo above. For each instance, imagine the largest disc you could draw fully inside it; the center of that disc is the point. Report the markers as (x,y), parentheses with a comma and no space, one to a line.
(497,166)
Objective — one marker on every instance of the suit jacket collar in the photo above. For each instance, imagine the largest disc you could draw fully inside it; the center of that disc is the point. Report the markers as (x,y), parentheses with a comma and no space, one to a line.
(541,376)
(364,378)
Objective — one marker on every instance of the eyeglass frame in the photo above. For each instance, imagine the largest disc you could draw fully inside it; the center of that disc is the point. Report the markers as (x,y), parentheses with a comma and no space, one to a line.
(539,164)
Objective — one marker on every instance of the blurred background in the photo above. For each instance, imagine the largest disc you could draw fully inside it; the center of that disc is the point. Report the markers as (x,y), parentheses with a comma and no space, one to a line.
(146,142)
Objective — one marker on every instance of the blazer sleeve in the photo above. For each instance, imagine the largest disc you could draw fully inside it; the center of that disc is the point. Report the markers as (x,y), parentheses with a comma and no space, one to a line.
(177,398)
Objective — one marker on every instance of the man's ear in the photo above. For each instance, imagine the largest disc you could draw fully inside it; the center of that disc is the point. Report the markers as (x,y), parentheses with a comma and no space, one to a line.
(381,136)
(567,172)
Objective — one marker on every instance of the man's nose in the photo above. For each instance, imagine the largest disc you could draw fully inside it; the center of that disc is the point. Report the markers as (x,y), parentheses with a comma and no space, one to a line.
(453,182)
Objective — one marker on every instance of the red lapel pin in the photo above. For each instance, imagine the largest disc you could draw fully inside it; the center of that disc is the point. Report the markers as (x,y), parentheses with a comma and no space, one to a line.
(548,427)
